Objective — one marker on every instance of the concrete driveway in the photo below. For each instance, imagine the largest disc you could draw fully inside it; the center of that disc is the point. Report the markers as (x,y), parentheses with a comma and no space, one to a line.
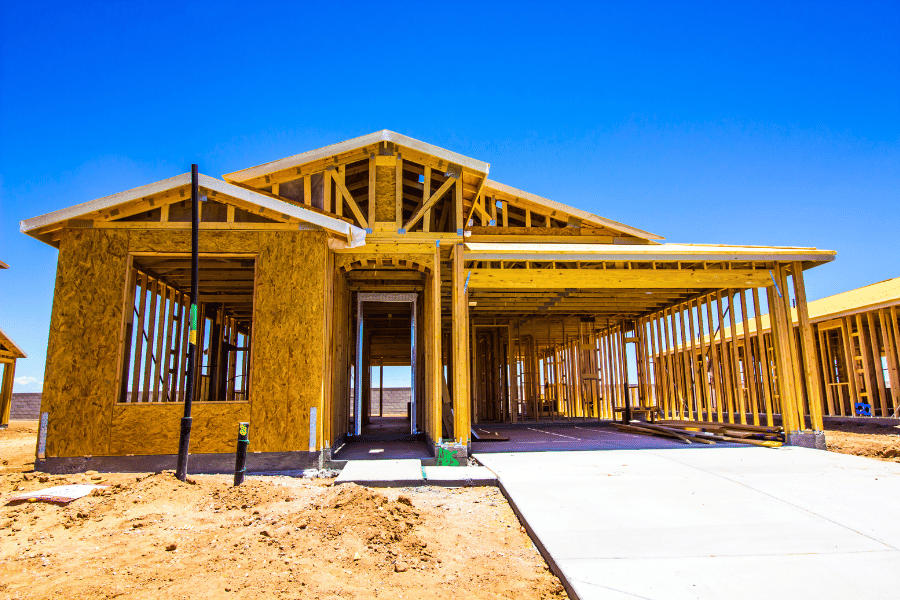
(727,523)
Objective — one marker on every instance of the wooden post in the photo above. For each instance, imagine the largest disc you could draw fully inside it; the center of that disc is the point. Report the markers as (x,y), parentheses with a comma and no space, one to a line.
(9,373)
(781,345)
(460,307)
(808,350)
(792,346)
(436,377)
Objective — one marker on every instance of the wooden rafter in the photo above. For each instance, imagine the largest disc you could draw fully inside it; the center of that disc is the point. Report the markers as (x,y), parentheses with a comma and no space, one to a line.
(431,201)
(354,207)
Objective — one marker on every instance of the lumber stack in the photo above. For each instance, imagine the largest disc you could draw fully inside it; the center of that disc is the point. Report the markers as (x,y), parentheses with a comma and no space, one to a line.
(706,432)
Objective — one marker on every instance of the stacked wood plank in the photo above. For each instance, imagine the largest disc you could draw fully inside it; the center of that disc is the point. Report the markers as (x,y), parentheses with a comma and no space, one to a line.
(706,432)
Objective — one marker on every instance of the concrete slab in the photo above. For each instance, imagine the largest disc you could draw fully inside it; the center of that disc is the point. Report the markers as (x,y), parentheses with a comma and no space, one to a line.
(711,523)
(382,473)
(459,476)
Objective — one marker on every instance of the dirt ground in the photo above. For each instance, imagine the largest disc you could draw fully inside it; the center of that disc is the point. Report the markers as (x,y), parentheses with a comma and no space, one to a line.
(152,536)
(864,439)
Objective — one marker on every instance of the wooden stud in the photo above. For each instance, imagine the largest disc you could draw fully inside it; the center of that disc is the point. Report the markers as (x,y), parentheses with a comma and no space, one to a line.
(398,180)
(850,364)
(763,354)
(738,378)
(426,194)
(784,376)
(875,355)
(151,329)
(807,350)
(795,361)
(460,349)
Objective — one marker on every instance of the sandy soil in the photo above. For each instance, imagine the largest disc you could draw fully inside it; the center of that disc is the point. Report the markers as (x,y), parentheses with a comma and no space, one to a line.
(864,439)
(151,536)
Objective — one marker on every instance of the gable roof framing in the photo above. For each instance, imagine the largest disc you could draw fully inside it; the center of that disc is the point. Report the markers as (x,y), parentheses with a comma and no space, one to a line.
(355,144)
(37,227)
(355,149)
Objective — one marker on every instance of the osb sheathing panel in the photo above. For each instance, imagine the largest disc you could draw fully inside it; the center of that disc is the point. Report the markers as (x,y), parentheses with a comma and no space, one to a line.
(288,339)
(153,428)
(385,193)
(144,240)
(83,354)
(84,341)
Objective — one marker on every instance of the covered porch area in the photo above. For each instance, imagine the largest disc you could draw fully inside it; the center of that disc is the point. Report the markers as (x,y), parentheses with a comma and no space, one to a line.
(588,332)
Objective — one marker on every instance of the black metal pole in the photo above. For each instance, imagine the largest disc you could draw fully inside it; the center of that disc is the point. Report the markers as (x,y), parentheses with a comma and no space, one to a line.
(240,456)
(185,441)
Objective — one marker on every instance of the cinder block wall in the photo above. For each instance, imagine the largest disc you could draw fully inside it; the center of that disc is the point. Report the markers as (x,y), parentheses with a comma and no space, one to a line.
(395,400)
(25,407)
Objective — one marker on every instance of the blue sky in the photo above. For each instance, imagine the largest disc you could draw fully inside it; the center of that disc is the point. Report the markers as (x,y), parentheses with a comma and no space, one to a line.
(735,123)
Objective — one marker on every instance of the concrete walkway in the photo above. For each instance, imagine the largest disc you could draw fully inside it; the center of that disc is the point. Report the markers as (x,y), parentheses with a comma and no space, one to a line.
(727,523)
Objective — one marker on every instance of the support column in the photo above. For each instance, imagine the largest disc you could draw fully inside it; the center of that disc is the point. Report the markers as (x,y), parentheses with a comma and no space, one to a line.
(436,375)
(794,355)
(780,342)
(460,326)
(9,372)
(808,350)
(513,375)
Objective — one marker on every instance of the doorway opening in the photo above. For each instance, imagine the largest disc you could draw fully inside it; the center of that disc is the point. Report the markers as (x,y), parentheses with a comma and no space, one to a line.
(386,327)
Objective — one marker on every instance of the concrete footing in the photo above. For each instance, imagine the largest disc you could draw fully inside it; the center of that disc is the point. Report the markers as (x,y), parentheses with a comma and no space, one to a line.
(197,463)
(806,439)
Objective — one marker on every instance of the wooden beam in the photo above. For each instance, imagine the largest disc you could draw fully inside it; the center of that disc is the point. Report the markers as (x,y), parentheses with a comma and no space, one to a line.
(475,202)
(398,182)
(371,191)
(615,278)
(354,207)
(426,193)
(429,203)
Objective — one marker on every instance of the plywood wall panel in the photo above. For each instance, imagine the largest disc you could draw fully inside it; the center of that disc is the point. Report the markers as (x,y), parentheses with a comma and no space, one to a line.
(288,328)
(83,351)
(154,428)
(385,193)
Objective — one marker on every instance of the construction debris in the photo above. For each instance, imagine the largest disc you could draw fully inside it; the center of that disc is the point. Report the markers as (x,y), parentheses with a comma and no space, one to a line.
(60,494)
(706,432)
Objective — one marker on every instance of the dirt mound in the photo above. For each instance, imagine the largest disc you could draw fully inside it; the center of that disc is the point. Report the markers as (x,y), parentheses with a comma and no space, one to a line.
(152,536)
(881,446)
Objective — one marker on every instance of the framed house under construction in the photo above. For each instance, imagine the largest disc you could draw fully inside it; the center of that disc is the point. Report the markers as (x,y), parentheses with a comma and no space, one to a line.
(318,268)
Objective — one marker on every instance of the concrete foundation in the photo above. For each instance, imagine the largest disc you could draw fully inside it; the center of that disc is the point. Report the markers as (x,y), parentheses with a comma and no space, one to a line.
(197,463)
(806,439)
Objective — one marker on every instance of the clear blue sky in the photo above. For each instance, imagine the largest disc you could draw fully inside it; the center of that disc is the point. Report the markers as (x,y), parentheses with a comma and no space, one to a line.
(739,124)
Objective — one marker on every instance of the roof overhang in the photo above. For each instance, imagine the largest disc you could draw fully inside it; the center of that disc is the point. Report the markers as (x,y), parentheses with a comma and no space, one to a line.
(655,252)
(6,341)
(348,146)
(354,235)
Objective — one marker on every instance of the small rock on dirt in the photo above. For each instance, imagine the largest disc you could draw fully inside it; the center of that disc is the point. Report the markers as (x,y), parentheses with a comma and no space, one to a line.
(401,567)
